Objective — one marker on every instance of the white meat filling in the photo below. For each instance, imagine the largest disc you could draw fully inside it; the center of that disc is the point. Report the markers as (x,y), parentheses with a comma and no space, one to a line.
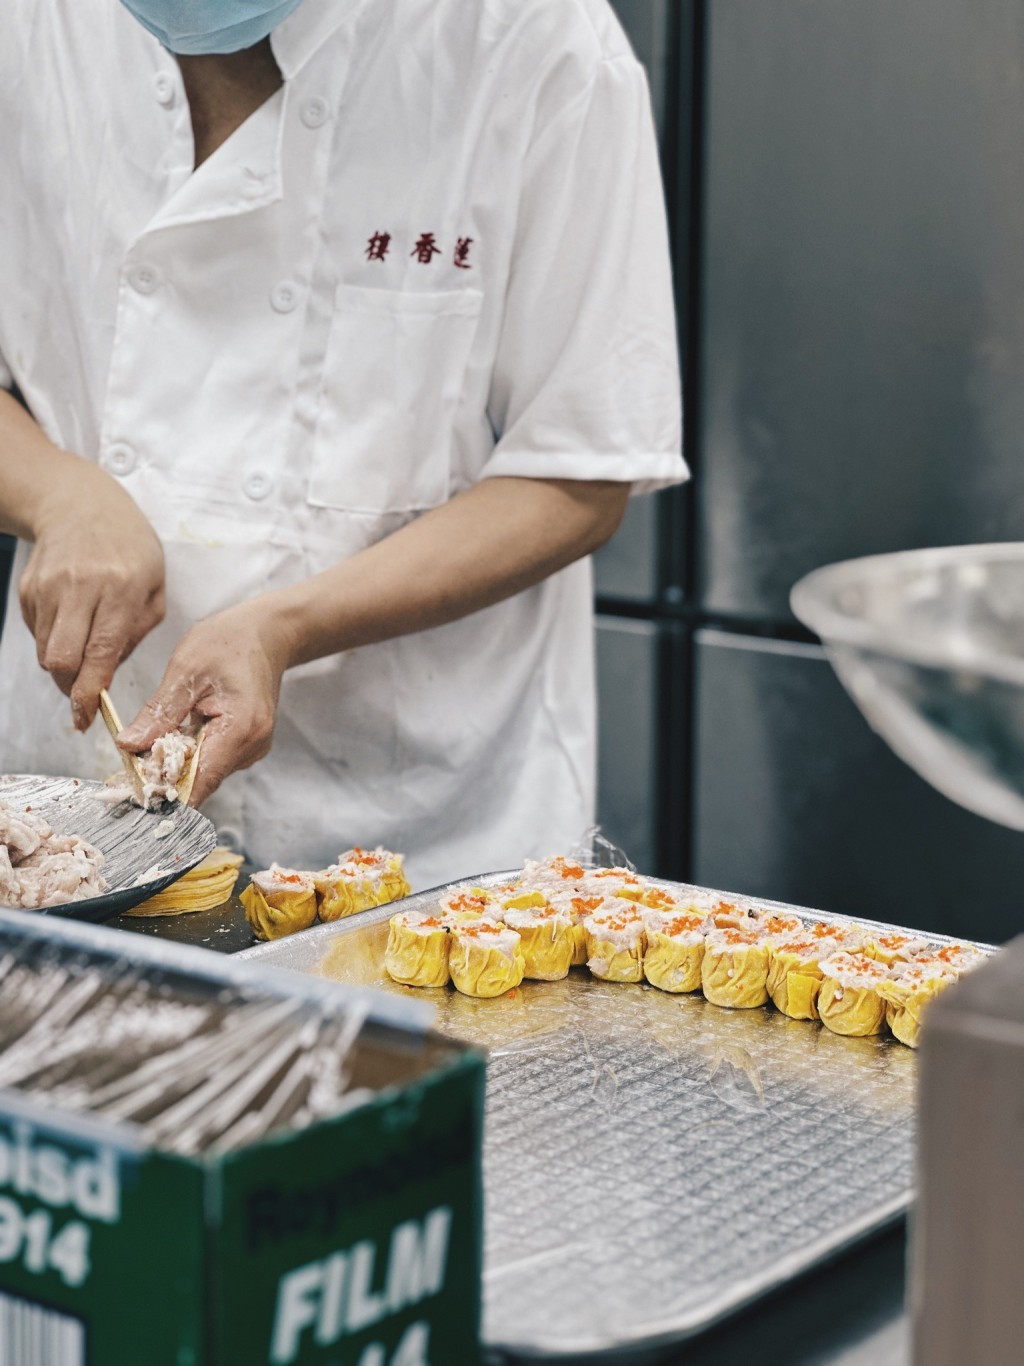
(162,768)
(39,868)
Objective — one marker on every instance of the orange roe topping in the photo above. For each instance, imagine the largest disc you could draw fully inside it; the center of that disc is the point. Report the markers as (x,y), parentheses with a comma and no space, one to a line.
(658,899)
(467,901)
(809,944)
(681,924)
(736,937)
(948,953)
(893,941)
(361,856)
(478,927)
(583,905)
(779,924)
(570,870)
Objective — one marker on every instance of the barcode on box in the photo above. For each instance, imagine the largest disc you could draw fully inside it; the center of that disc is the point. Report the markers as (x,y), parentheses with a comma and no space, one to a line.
(33,1336)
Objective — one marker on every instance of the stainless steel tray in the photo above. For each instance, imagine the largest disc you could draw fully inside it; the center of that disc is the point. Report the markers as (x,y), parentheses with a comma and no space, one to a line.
(652,1162)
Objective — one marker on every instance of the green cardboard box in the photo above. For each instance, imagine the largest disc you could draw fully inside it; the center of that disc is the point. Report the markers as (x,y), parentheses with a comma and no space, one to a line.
(355,1242)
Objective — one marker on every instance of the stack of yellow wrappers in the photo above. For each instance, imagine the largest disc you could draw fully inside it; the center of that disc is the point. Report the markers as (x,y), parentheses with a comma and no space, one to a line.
(208,884)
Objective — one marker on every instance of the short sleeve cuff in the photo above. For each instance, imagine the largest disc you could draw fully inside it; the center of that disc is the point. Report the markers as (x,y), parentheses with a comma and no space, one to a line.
(646,472)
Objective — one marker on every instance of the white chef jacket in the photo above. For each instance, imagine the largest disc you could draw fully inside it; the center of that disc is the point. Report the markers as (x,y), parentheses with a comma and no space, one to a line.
(437,254)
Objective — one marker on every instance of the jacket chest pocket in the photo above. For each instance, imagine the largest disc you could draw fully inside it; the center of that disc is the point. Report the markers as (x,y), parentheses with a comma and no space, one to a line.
(393,378)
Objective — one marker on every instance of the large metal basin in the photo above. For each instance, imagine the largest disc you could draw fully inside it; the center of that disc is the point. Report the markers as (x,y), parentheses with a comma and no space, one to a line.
(930,645)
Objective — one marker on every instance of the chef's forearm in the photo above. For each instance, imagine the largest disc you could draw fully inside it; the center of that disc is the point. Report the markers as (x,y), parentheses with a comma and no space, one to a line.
(32,471)
(494,540)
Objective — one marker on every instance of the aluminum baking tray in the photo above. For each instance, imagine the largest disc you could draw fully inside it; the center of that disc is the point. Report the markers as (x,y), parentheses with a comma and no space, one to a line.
(652,1163)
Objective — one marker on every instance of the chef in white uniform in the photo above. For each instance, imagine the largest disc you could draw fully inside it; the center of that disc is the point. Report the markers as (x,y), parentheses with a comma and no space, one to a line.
(343,328)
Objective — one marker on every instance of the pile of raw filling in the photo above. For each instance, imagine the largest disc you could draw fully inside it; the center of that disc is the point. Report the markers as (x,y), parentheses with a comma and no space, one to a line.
(39,868)
(856,980)
(161,774)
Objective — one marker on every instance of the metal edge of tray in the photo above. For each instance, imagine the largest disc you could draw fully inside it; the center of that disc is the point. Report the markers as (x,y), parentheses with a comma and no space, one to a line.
(323,933)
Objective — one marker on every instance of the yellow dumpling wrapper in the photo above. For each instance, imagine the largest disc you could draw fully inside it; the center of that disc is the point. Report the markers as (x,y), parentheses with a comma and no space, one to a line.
(417,951)
(850,1000)
(547,938)
(794,973)
(675,950)
(359,881)
(578,906)
(616,940)
(279,902)
(908,995)
(208,884)
(734,970)
(523,901)
(485,959)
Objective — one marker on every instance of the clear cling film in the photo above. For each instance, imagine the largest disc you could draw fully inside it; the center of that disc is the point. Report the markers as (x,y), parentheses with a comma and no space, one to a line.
(675,1158)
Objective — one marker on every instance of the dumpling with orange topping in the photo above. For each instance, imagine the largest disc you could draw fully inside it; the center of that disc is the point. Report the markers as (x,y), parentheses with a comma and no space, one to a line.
(892,946)
(675,949)
(417,951)
(485,958)
(914,983)
(794,969)
(616,940)
(850,1000)
(578,906)
(463,904)
(552,875)
(547,938)
(279,902)
(361,879)
(734,970)
(907,993)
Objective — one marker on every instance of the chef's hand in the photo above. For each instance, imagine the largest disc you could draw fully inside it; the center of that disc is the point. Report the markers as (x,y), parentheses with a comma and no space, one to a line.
(94,583)
(225,672)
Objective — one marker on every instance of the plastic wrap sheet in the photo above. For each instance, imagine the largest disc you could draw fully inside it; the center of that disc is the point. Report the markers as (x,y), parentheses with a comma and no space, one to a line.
(653,1162)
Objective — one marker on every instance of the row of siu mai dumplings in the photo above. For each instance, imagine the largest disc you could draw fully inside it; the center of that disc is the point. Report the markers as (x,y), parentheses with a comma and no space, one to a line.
(559,915)
(281,901)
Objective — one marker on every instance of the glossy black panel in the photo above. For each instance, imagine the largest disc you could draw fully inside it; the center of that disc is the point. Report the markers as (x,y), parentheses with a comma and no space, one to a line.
(862,343)
(797,799)
(627,682)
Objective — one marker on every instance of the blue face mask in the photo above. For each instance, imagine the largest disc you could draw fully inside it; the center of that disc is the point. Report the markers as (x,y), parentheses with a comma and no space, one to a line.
(192,27)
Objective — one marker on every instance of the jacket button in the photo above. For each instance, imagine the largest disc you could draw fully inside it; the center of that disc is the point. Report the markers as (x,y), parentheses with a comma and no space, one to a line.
(315,112)
(284,296)
(256,485)
(163,88)
(121,459)
(144,279)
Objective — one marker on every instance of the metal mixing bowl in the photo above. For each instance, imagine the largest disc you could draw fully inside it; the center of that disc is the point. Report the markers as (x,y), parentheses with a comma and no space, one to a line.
(930,645)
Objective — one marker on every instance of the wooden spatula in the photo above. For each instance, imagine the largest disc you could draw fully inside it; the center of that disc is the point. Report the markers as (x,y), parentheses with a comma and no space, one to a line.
(130,761)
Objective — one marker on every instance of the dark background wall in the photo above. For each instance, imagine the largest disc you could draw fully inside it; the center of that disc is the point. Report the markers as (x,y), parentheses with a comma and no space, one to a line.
(847,218)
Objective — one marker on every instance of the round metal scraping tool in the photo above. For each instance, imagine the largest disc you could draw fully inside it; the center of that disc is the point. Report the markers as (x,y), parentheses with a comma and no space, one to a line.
(141,854)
